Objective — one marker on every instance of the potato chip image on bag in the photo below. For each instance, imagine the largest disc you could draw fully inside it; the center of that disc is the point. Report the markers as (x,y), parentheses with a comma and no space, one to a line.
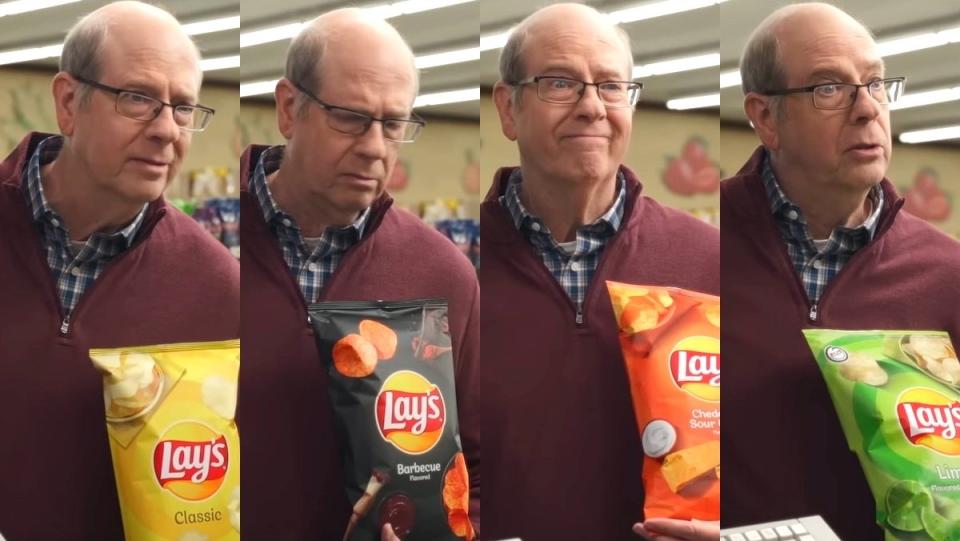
(899,407)
(391,384)
(670,340)
(176,451)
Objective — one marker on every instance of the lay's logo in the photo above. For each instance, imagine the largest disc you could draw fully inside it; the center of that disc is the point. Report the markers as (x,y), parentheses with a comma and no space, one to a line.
(695,367)
(410,412)
(191,460)
(930,419)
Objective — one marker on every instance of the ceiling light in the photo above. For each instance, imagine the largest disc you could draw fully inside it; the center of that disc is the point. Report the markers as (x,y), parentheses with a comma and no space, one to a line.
(220,63)
(932,134)
(694,102)
(24,6)
(448,57)
(906,44)
(212,25)
(928,97)
(32,53)
(730,78)
(677,64)
(451,96)
(258,87)
(651,10)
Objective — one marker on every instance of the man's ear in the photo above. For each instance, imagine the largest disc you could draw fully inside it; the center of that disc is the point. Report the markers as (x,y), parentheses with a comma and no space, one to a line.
(286,97)
(66,102)
(765,119)
(503,98)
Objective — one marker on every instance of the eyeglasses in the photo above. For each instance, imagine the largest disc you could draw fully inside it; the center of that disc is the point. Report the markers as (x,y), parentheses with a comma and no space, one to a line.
(192,118)
(350,122)
(832,96)
(615,94)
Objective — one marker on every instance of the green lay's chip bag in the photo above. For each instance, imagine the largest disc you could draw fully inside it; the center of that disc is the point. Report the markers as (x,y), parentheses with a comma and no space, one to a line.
(897,394)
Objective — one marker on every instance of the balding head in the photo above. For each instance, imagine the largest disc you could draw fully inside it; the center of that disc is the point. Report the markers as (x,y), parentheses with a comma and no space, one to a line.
(550,21)
(116,26)
(343,33)
(762,63)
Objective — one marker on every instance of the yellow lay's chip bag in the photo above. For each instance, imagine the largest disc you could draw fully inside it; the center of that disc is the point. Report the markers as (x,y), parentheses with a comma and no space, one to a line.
(176,450)
(670,340)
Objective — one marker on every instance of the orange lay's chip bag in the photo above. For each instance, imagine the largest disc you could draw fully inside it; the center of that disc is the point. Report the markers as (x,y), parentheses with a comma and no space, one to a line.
(176,451)
(670,340)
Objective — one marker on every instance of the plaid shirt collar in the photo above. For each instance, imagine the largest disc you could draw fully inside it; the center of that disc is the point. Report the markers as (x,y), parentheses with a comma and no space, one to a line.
(794,226)
(283,223)
(590,237)
(53,229)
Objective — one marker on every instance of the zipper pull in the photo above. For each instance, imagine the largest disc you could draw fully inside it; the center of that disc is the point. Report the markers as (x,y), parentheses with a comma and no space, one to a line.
(813,312)
(579,316)
(65,326)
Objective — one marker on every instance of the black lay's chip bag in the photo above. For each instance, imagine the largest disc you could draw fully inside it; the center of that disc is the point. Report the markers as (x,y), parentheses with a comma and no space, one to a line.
(390,368)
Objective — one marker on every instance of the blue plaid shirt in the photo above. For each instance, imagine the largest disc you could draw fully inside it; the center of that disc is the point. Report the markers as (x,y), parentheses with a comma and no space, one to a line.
(817,266)
(73,271)
(572,271)
(311,268)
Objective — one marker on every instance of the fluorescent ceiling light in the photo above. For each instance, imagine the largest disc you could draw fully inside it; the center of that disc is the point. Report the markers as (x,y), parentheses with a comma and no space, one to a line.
(384,11)
(212,25)
(677,64)
(730,78)
(33,53)
(651,10)
(220,63)
(929,97)
(407,7)
(694,102)
(494,41)
(266,35)
(448,57)
(257,87)
(450,96)
(933,134)
(906,44)
(23,6)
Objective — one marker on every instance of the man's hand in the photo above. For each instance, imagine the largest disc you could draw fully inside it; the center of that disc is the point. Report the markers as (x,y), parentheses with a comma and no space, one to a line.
(386,534)
(665,529)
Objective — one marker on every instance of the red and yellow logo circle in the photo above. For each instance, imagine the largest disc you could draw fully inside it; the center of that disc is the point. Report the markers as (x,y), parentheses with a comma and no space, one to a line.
(191,460)
(410,412)
(695,367)
(930,419)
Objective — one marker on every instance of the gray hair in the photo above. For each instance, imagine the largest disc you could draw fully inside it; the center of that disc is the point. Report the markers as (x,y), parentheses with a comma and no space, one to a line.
(512,68)
(80,56)
(760,66)
(81,51)
(305,60)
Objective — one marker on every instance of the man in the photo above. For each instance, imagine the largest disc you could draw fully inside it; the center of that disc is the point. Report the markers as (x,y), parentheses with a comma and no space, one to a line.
(92,256)
(561,447)
(319,226)
(813,237)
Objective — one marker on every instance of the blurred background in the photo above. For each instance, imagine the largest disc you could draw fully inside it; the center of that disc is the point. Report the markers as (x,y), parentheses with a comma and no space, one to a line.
(918,40)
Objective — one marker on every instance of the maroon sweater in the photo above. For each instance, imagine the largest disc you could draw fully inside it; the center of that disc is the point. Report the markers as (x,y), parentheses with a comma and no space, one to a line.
(291,457)
(175,284)
(784,454)
(561,447)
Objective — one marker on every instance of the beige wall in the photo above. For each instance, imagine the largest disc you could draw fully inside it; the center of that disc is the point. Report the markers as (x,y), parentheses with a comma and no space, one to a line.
(906,162)
(658,136)
(436,163)
(26,104)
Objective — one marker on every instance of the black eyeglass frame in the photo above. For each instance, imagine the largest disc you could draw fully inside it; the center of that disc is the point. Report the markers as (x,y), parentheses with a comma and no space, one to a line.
(537,78)
(415,120)
(156,111)
(812,89)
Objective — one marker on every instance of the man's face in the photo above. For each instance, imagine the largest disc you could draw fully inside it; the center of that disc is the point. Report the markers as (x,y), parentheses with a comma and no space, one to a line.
(847,148)
(133,159)
(342,172)
(581,141)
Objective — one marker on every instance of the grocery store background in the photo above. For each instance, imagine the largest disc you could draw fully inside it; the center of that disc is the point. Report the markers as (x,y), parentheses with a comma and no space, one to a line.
(918,40)
(687,133)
